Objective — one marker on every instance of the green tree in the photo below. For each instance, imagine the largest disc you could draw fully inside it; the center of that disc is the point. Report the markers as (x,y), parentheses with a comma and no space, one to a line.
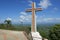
(54,32)
(2,26)
(8,23)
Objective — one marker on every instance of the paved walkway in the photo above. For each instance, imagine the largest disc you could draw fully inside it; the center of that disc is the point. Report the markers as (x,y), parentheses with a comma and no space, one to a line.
(12,35)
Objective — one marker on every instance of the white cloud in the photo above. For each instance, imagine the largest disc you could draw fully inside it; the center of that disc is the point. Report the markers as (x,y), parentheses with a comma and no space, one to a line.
(58,19)
(23,13)
(9,18)
(45,19)
(45,4)
(42,16)
(22,16)
(48,19)
(21,20)
(25,17)
(30,1)
(15,21)
(1,21)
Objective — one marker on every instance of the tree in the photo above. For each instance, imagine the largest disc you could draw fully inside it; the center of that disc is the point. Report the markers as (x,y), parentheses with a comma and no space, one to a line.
(8,23)
(54,32)
(2,26)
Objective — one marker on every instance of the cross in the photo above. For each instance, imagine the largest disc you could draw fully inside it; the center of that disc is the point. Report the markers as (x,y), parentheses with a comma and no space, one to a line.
(33,10)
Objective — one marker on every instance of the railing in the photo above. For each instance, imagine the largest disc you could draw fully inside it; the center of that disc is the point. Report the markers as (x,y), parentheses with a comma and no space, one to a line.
(26,35)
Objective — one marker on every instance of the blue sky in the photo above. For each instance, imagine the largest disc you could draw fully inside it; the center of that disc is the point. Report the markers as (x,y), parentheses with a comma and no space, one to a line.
(15,10)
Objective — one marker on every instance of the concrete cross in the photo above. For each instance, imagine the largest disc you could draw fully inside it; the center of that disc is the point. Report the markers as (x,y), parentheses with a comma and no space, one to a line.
(33,10)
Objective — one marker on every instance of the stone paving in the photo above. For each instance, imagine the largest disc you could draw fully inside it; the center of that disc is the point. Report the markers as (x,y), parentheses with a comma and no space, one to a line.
(12,35)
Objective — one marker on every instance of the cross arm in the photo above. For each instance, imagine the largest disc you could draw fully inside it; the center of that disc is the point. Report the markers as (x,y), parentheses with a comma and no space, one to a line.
(29,10)
(38,9)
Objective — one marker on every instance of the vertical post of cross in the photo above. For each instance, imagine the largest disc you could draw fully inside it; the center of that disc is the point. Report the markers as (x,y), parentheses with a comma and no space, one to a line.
(33,29)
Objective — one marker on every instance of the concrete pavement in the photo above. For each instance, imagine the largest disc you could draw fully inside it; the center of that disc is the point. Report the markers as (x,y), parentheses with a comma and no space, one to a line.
(12,35)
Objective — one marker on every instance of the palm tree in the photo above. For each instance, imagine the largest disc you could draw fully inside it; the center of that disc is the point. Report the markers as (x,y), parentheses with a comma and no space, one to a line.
(8,22)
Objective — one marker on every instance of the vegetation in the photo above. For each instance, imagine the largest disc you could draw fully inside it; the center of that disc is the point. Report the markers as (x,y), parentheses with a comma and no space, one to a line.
(49,32)
(54,32)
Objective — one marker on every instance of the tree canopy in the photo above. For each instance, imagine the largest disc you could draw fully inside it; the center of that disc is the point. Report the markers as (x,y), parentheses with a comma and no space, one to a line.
(54,32)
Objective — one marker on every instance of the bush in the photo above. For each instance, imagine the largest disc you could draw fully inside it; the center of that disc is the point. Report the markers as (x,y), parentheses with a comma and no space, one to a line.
(54,33)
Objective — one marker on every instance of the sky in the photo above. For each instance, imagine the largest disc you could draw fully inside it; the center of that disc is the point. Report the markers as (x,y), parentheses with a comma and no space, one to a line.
(15,11)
